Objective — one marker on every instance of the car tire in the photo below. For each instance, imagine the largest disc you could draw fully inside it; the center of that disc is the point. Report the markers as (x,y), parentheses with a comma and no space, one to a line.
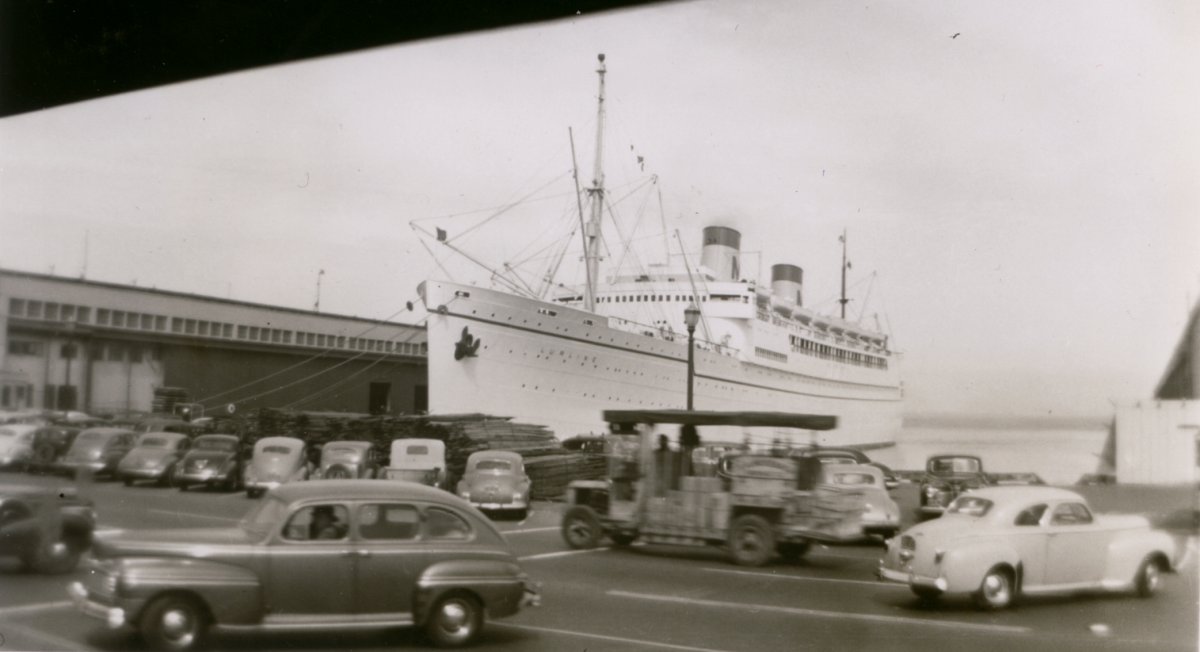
(996,590)
(253,492)
(168,477)
(581,528)
(53,558)
(173,623)
(454,621)
(793,552)
(1149,577)
(128,481)
(751,540)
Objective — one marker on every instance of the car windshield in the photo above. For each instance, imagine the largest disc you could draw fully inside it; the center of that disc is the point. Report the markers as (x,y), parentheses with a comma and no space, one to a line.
(954,465)
(264,517)
(493,465)
(970,506)
(276,450)
(215,445)
(153,442)
(859,479)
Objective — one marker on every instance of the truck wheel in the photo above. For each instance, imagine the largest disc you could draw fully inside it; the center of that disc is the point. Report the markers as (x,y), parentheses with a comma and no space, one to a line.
(581,528)
(751,540)
(1149,577)
(173,623)
(454,621)
(793,552)
(996,589)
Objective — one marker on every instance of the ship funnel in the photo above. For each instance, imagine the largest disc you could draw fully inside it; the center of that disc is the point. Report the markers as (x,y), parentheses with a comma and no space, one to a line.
(787,281)
(722,247)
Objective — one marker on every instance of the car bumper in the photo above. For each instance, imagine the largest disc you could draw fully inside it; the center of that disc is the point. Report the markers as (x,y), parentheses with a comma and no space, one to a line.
(80,466)
(200,477)
(113,616)
(142,474)
(262,484)
(912,579)
(516,504)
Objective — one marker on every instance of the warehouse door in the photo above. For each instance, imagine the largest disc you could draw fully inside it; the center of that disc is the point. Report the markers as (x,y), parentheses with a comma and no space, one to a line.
(377,399)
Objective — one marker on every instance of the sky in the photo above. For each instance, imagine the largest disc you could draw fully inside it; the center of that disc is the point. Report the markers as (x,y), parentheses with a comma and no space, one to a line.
(1019,181)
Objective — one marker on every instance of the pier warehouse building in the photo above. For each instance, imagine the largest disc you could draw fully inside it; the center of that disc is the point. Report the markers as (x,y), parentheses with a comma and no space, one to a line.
(105,348)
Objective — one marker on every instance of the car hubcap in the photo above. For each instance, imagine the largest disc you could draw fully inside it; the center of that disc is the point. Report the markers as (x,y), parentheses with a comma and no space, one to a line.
(750,542)
(177,626)
(995,588)
(454,618)
(1152,577)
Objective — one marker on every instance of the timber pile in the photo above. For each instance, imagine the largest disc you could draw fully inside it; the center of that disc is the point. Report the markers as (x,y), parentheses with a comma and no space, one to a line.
(549,465)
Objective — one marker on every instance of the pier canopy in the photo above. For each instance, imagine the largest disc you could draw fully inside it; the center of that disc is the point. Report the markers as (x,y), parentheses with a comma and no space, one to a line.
(709,418)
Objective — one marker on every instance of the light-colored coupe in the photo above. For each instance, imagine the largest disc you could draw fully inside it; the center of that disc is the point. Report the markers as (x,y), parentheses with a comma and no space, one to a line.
(496,480)
(998,543)
(275,461)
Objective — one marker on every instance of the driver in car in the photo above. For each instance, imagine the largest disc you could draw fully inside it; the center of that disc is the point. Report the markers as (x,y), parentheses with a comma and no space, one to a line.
(325,524)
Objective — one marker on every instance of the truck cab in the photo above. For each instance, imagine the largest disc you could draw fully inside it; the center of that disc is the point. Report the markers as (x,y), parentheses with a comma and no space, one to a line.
(756,505)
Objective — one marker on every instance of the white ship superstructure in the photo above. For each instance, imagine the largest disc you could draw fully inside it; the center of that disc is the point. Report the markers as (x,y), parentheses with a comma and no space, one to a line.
(622,343)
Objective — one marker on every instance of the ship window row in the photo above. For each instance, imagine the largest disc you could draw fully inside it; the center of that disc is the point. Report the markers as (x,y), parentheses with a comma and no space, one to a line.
(769,354)
(639,298)
(827,352)
(51,311)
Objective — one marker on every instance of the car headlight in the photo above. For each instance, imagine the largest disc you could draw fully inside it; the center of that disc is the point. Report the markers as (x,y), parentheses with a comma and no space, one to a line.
(517,495)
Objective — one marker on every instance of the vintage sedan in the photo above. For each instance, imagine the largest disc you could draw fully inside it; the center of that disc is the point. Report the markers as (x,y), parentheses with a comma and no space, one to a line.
(342,554)
(97,451)
(946,477)
(348,460)
(275,461)
(46,529)
(418,460)
(50,444)
(881,514)
(496,480)
(212,461)
(154,457)
(16,445)
(999,543)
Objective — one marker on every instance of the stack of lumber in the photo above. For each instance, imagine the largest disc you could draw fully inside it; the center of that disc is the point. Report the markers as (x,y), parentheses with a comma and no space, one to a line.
(165,399)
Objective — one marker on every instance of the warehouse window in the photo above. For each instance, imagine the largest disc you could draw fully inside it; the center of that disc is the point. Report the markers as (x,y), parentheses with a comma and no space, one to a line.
(52,311)
(34,310)
(135,353)
(118,318)
(227,330)
(203,328)
(24,347)
(189,326)
(83,314)
(67,313)
(147,322)
(160,323)
(116,352)
(16,307)
(242,332)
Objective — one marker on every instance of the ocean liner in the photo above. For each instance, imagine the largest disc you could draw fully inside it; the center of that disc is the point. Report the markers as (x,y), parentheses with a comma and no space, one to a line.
(622,342)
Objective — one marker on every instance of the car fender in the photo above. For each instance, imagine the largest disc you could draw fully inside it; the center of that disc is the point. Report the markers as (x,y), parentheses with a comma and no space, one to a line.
(965,566)
(233,594)
(498,583)
(1127,550)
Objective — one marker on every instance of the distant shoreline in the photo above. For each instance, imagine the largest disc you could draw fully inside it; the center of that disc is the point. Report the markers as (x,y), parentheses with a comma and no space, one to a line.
(1006,421)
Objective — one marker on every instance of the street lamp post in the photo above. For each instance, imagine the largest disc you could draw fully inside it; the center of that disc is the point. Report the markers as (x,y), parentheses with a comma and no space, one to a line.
(691,317)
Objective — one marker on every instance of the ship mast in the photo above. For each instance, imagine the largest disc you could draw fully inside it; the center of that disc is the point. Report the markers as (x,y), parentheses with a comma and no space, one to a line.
(591,234)
(843,300)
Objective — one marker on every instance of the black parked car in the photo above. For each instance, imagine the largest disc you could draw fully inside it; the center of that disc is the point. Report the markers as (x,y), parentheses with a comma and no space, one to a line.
(46,529)
(50,443)
(947,476)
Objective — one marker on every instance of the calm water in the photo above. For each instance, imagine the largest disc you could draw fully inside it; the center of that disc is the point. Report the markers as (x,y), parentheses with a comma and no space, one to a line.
(1059,456)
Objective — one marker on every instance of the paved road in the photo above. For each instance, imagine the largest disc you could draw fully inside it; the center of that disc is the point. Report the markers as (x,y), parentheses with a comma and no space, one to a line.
(649,598)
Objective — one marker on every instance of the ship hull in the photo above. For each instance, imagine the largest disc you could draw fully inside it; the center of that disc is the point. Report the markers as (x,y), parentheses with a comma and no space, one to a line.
(538,362)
